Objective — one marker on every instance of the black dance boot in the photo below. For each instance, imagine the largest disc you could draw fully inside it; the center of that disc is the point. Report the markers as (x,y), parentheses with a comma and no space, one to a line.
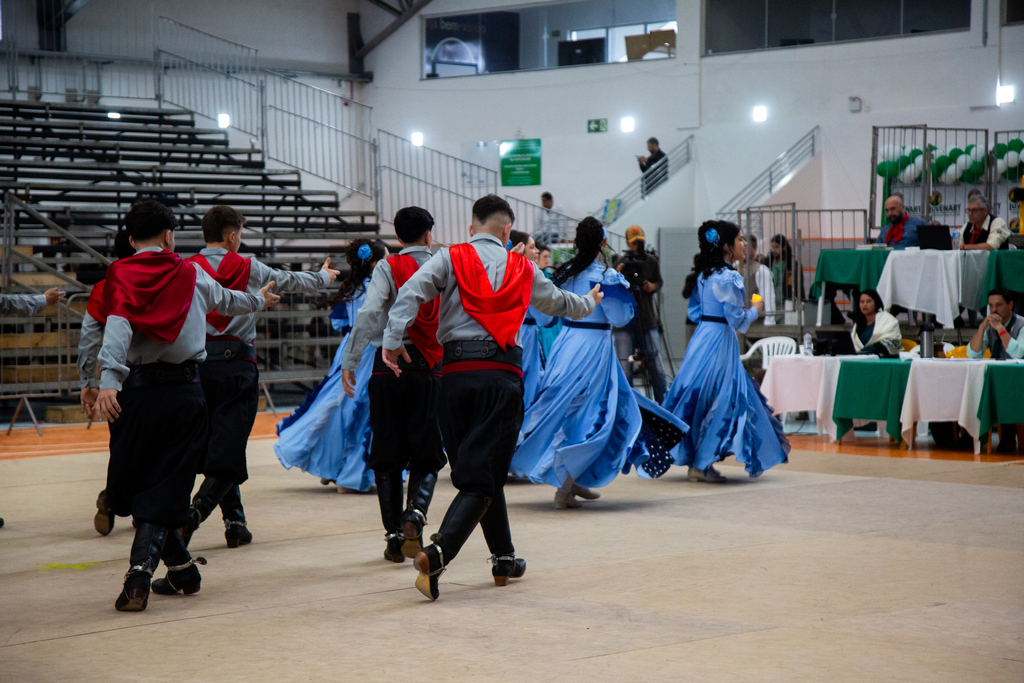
(205,501)
(421,491)
(504,567)
(182,573)
(104,519)
(389,495)
(462,517)
(147,548)
(236,533)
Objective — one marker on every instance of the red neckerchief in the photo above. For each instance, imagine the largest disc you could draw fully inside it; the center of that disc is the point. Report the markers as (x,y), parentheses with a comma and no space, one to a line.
(95,306)
(895,231)
(500,313)
(233,273)
(423,331)
(153,291)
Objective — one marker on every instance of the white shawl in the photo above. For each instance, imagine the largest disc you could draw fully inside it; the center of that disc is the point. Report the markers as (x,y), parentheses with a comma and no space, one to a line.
(887,329)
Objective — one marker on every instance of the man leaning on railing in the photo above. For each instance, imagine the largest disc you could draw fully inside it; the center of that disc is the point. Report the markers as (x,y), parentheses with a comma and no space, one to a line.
(654,167)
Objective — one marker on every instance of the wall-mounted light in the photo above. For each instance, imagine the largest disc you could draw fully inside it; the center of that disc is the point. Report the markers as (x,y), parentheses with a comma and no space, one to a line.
(628,124)
(1004,94)
(223,120)
(856,104)
(113,115)
(417,139)
(760,114)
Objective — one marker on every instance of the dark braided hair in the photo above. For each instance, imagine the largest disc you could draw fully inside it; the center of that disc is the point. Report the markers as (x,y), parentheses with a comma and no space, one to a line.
(359,269)
(711,258)
(589,237)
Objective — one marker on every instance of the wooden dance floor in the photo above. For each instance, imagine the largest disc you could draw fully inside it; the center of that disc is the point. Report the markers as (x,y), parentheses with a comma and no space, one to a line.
(861,565)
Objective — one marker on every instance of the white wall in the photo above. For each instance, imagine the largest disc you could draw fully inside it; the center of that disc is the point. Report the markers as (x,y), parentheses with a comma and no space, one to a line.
(933,79)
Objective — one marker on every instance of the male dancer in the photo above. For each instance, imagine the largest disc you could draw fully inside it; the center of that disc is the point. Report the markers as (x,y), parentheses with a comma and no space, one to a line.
(89,340)
(230,376)
(150,393)
(484,291)
(403,410)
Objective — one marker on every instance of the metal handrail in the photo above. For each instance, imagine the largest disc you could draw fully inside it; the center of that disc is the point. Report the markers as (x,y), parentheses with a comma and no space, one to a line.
(773,177)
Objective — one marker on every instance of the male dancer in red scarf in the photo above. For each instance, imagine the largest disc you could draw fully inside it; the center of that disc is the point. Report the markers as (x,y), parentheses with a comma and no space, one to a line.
(403,410)
(154,340)
(230,376)
(484,292)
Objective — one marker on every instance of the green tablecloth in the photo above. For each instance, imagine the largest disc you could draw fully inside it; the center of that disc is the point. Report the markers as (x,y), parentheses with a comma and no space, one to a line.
(870,390)
(859,268)
(1002,401)
(1005,269)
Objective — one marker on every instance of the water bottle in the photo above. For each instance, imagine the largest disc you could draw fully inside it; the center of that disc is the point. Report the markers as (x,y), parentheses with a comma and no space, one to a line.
(808,348)
(956,240)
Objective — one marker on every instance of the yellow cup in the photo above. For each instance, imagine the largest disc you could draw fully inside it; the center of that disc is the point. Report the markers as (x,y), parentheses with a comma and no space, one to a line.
(756,297)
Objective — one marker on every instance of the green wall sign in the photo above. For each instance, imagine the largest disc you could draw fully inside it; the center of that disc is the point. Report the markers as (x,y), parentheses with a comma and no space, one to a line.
(520,162)
(597,125)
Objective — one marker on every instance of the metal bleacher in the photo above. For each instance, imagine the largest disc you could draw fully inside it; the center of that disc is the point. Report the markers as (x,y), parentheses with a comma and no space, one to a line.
(70,173)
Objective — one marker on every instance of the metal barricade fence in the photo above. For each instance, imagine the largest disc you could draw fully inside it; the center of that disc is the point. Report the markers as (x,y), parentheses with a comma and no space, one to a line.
(444,185)
(1008,153)
(295,341)
(935,170)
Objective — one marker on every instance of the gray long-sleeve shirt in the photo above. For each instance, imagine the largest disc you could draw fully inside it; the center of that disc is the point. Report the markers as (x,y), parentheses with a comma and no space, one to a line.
(437,277)
(260,274)
(22,304)
(89,341)
(373,316)
(124,346)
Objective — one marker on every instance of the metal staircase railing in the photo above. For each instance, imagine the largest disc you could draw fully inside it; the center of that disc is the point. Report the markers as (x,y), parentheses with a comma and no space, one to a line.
(638,190)
(773,178)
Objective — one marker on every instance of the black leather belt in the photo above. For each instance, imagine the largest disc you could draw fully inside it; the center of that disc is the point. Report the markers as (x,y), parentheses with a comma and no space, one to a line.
(419,364)
(225,350)
(587,326)
(713,319)
(467,350)
(161,375)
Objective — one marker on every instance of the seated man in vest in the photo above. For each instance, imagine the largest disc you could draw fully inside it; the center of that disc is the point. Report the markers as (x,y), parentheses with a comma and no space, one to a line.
(1002,333)
(983,230)
(902,230)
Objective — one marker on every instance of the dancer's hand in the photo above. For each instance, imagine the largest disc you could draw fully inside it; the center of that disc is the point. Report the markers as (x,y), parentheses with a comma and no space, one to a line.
(107,407)
(269,298)
(391,357)
(596,294)
(759,305)
(519,249)
(330,271)
(88,399)
(53,296)
(348,382)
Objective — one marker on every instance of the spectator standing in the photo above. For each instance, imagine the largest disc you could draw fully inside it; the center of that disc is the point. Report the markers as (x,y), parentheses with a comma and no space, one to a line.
(654,166)
(643,340)
(552,221)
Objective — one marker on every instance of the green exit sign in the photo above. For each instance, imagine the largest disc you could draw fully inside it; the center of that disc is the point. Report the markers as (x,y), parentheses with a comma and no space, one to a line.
(597,125)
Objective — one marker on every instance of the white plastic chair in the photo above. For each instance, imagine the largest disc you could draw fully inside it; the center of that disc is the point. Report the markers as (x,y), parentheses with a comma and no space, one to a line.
(771,346)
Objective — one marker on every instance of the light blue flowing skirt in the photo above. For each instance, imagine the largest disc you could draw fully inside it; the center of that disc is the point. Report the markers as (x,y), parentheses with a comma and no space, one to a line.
(532,366)
(329,435)
(727,413)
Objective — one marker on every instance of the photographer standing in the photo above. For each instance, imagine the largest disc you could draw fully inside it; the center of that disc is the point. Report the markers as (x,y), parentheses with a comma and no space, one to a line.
(641,340)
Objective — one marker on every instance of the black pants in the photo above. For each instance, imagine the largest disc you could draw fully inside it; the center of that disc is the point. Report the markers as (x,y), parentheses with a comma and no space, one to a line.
(403,418)
(232,399)
(480,415)
(156,445)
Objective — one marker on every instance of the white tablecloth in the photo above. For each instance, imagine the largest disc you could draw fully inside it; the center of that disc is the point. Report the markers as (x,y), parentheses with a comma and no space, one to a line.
(944,390)
(796,383)
(932,281)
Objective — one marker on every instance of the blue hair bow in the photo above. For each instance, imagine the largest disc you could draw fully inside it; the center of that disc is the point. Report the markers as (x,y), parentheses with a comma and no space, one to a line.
(711,236)
(364,252)
(508,245)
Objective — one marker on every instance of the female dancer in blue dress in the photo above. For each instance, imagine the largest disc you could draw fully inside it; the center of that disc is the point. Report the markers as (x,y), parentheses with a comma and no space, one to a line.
(712,392)
(533,356)
(329,436)
(587,424)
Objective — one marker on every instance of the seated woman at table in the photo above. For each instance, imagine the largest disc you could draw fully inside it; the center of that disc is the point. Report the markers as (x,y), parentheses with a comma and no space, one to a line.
(712,393)
(875,332)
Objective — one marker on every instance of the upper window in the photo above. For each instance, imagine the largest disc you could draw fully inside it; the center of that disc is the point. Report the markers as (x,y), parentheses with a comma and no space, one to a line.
(548,36)
(1014,12)
(737,25)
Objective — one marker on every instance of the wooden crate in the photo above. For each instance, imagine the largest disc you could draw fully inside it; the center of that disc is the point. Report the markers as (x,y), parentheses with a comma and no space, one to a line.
(32,340)
(65,414)
(41,279)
